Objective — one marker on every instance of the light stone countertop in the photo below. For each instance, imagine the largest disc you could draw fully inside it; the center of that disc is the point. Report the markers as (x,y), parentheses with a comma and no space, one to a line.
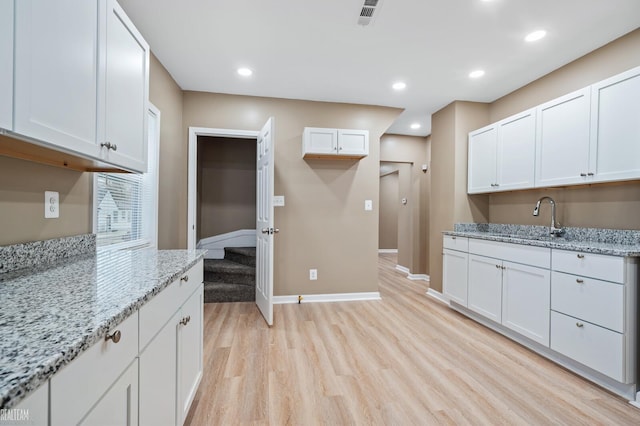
(48,316)
(612,242)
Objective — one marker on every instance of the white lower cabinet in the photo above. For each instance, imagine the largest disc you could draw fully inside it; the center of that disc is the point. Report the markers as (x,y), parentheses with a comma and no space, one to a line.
(485,286)
(454,275)
(33,410)
(119,406)
(189,352)
(526,300)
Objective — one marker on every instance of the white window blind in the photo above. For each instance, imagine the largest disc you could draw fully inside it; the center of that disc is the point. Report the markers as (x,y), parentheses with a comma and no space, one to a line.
(125,205)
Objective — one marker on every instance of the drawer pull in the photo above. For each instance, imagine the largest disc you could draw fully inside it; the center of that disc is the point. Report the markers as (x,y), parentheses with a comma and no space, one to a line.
(185,278)
(583,175)
(504,267)
(498,266)
(115,336)
(579,281)
(185,320)
(581,256)
(453,238)
(579,325)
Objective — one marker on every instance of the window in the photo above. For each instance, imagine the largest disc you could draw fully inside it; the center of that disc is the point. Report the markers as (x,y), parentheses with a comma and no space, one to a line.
(125,206)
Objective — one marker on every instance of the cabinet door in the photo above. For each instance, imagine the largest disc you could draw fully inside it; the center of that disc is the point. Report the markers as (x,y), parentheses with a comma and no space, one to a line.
(482,159)
(562,145)
(615,128)
(6,65)
(319,141)
(37,405)
(189,352)
(124,87)
(517,151)
(158,375)
(353,142)
(56,54)
(485,286)
(526,299)
(454,276)
(119,406)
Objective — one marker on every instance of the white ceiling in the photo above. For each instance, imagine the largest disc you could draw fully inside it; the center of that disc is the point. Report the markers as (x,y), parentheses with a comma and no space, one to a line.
(315,50)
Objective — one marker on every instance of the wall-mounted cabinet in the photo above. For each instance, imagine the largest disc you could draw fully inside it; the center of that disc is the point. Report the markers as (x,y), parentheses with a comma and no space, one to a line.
(502,155)
(591,135)
(81,80)
(334,143)
(6,65)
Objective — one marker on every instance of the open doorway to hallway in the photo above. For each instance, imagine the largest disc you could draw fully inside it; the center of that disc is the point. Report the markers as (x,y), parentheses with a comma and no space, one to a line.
(226,216)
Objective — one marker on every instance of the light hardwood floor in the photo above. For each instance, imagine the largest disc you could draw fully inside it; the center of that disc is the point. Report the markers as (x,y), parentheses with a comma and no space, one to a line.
(404,360)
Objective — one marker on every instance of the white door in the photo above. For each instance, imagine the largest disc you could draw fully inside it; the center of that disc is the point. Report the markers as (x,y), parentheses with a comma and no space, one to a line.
(454,276)
(264,223)
(189,352)
(485,286)
(482,160)
(517,151)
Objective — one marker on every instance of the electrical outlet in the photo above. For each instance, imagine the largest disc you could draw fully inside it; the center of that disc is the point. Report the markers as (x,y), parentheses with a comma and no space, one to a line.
(313,274)
(368,205)
(51,205)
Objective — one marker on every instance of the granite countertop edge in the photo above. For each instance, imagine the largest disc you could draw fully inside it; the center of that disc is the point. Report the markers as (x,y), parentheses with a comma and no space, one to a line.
(21,389)
(582,246)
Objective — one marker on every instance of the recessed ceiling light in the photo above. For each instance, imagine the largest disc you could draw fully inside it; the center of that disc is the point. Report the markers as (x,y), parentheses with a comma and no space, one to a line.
(476,73)
(245,72)
(535,36)
(400,85)
(415,126)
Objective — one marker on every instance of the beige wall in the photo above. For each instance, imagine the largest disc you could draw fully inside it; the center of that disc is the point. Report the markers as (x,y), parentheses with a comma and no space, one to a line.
(226,185)
(166,95)
(22,201)
(323,224)
(450,127)
(413,237)
(389,205)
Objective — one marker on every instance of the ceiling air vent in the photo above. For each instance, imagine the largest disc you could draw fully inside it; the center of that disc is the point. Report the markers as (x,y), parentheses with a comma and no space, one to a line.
(368,11)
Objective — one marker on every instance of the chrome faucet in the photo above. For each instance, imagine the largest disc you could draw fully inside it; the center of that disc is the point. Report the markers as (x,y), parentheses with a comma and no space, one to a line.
(555,230)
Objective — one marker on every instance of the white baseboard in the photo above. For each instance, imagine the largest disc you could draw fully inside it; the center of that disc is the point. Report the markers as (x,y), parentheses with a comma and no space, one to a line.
(403,269)
(322,298)
(438,296)
(387,250)
(418,277)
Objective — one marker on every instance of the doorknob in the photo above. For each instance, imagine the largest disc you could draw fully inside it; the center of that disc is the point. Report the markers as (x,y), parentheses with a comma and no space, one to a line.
(276,230)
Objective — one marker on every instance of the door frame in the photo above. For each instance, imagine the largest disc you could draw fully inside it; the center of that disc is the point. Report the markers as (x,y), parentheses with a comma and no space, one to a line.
(192,178)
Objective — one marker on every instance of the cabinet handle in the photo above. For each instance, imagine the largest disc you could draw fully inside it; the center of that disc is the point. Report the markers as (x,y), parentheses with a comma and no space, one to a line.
(579,281)
(581,256)
(583,174)
(185,320)
(504,267)
(109,145)
(498,266)
(340,149)
(115,336)
(579,325)
(590,174)
(185,278)
(453,238)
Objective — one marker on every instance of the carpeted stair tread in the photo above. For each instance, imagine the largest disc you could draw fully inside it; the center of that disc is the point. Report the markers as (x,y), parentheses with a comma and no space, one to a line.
(219,292)
(225,265)
(226,271)
(242,255)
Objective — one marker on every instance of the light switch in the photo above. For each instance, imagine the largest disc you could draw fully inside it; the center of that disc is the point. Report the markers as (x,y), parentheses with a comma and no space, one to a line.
(51,205)
(278,201)
(368,205)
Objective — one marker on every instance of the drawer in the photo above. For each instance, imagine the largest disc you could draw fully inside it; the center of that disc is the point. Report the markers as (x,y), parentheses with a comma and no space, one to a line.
(599,302)
(596,347)
(80,384)
(455,243)
(157,311)
(189,282)
(518,253)
(600,266)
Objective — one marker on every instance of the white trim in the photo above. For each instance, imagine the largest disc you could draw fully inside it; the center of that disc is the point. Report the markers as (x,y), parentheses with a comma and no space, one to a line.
(403,269)
(321,298)
(438,296)
(387,250)
(153,110)
(194,132)
(635,403)
(417,277)
(216,244)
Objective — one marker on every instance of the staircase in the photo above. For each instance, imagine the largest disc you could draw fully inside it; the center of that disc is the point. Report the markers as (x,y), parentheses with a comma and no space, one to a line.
(232,279)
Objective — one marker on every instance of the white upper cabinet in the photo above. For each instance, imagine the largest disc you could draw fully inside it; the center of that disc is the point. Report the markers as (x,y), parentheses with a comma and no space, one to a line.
(482,173)
(6,65)
(334,143)
(81,80)
(56,72)
(502,155)
(562,146)
(124,91)
(615,128)
(516,151)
